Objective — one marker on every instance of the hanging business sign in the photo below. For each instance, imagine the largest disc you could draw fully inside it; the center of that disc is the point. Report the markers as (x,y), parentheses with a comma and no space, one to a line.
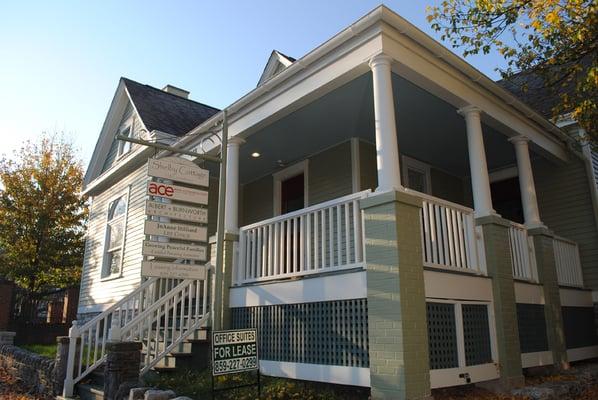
(162,269)
(176,231)
(234,351)
(174,192)
(174,250)
(177,169)
(175,211)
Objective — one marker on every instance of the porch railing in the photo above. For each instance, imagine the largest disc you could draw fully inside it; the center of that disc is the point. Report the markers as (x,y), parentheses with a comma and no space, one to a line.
(322,238)
(568,263)
(523,255)
(449,236)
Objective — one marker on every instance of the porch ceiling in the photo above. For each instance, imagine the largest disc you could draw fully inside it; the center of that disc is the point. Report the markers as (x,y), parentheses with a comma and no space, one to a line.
(428,129)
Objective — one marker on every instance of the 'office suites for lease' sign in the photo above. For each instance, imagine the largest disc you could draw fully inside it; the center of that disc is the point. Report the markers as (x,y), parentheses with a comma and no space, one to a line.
(234,351)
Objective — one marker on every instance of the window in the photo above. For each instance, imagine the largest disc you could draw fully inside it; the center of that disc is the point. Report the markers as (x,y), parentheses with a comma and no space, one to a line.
(123,146)
(115,232)
(416,175)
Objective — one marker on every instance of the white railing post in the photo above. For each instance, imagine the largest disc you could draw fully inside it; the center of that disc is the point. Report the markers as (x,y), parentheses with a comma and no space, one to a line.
(69,384)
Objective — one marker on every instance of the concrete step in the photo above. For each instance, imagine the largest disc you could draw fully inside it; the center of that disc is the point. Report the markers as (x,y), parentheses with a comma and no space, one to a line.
(198,334)
(89,391)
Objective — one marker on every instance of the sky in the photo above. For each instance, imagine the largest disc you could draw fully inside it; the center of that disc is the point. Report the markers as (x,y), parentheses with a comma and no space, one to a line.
(60,60)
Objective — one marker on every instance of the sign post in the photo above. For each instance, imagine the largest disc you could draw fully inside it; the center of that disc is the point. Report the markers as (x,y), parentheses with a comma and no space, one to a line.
(233,352)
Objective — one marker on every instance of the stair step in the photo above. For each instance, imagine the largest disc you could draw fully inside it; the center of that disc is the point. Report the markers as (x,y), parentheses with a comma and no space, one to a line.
(89,391)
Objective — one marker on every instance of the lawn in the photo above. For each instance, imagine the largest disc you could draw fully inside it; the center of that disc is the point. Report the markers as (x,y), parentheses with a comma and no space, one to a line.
(46,350)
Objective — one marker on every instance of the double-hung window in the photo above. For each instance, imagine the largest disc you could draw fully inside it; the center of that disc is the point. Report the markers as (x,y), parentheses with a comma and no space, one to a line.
(115,231)
(123,146)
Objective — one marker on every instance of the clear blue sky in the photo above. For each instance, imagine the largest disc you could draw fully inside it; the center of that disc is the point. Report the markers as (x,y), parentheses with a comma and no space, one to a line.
(60,61)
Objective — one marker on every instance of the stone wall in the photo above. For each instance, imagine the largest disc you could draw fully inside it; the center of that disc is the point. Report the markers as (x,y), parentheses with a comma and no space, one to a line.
(37,371)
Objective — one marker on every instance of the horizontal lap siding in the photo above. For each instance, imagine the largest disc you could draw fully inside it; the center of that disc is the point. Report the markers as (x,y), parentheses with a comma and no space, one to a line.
(258,200)
(330,174)
(93,290)
(566,208)
(367,163)
(446,186)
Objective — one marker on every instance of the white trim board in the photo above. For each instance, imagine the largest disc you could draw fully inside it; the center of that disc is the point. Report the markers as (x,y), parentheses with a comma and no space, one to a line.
(446,285)
(529,293)
(582,353)
(343,286)
(576,298)
(536,359)
(341,375)
(450,376)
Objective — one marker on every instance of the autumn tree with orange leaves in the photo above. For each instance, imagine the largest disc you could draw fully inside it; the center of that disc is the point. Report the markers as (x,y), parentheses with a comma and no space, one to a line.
(42,216)
(555,40)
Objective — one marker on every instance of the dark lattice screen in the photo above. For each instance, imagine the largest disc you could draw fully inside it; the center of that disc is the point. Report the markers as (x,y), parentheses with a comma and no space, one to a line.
(476,333)
(532,328)
(328,333)
(442,336)
(578,323)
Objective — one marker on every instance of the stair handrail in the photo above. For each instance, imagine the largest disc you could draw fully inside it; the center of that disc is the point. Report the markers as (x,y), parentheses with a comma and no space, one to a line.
(77,332)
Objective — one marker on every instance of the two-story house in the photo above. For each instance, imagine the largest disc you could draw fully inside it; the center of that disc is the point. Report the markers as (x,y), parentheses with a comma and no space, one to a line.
(394,219)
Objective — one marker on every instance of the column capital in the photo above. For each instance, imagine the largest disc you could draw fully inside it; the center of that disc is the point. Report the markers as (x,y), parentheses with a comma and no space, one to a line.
(380,59)
(519,139)
(469,110)
(235,141)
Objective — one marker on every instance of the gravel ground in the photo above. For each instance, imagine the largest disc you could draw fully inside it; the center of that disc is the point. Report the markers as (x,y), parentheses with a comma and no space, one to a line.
(12,389)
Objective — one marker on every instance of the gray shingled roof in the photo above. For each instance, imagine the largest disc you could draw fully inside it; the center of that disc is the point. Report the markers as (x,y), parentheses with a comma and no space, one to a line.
(166,112)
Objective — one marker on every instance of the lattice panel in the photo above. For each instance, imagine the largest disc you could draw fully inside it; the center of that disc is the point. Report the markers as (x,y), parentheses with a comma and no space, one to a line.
(327,333)
(532,328)
(578,323)
(442,335)
(476,333)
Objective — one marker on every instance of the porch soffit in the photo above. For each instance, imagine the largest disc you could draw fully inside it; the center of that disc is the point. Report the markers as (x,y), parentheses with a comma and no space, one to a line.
(423,62)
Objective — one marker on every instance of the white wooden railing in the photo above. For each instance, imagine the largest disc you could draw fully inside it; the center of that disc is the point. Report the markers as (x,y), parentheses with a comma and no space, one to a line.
(147,314)
(568,263)
(450,239)
(322,238)
(523,255)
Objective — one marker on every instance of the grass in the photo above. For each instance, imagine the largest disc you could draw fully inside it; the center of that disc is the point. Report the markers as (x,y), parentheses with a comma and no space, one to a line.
(46,350)
(196,384)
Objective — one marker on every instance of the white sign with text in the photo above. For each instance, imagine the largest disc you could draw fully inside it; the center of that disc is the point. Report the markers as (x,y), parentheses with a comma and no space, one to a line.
(174,250)
(162,269)
(175,192)
(176,231)
(175,211)
(179,170)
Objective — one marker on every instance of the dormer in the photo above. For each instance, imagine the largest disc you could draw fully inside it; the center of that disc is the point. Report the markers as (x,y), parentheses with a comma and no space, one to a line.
(276,63)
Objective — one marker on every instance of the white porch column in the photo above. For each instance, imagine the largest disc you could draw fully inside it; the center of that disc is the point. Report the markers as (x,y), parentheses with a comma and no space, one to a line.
(387,150)
(231,214)
(480,182)
(529,201)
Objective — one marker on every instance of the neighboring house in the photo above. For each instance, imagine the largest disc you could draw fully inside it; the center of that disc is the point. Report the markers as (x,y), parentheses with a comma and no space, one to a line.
(395,219)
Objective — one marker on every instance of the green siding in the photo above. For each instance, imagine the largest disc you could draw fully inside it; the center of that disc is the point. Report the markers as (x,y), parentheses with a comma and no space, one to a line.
(257,200)
(565,203)
(330,175)
(446,186)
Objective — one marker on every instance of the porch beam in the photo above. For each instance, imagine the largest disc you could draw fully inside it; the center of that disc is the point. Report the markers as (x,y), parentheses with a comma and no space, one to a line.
(529,201)
(480,180)
(387,149)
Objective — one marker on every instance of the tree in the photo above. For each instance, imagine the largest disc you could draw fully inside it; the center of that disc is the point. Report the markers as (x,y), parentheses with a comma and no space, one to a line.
(555,40)
(42,215)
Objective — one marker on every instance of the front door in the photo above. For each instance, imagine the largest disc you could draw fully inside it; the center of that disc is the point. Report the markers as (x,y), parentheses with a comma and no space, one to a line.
(292,194)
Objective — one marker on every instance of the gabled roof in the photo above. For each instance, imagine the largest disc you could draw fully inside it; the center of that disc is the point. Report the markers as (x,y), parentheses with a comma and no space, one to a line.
(276,63)
(157,110)
(166,112)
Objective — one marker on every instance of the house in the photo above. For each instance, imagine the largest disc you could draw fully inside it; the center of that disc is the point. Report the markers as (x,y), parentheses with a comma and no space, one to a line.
(394,219)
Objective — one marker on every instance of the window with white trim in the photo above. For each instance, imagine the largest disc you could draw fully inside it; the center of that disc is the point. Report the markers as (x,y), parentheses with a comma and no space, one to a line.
(416,175)
(115,235)
(123,146)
